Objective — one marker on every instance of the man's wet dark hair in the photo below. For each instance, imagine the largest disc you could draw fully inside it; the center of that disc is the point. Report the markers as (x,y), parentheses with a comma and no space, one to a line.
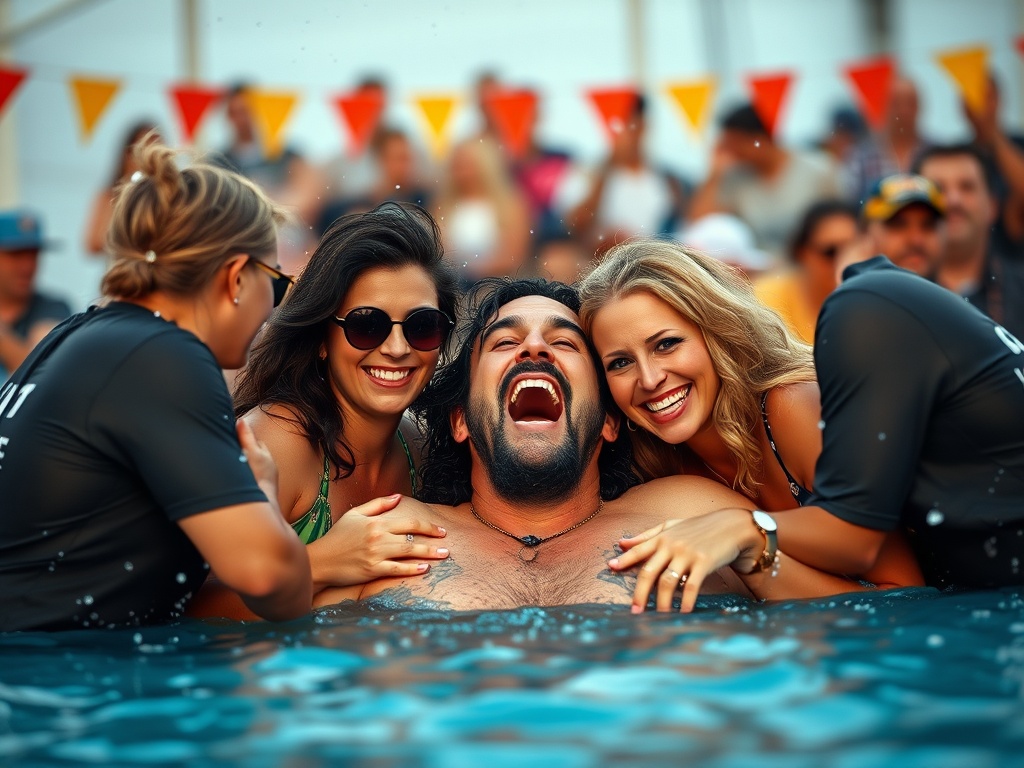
(944,151)
(446,466)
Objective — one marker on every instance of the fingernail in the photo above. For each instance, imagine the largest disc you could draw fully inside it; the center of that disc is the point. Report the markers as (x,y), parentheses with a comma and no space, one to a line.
(442,530)
(422,567)
(443,551)
(395,496)
(613,563)
(636,609)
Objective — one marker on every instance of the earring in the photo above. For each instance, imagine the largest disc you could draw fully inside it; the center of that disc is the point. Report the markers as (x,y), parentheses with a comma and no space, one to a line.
(236,301)
(630,425)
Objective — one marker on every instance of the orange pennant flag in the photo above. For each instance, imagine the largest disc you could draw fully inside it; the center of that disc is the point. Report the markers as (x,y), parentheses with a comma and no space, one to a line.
(693,99)
(969,69)
(271,110)
(191,103)
(514,113)
(92,97)
(437,111)
(10,79)
(767,93)
(360,111)
(616,106)
(872,82)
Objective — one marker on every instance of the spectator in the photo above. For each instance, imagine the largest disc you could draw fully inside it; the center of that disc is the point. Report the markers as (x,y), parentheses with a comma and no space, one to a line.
(764,184)
(397,179)
(626,196)
(481,213)
(1003,156)
(797,293)
(26,315)
(973,264)
(905,219)
(892,150)
(286,177)
(103,204)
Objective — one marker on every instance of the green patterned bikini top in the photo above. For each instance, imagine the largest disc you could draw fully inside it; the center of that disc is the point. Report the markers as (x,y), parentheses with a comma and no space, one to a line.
(315,523)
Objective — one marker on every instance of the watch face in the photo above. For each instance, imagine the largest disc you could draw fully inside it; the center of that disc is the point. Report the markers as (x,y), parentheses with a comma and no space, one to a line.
(764,520)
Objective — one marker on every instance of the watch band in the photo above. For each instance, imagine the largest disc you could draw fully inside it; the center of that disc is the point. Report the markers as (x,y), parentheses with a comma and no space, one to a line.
(766,525)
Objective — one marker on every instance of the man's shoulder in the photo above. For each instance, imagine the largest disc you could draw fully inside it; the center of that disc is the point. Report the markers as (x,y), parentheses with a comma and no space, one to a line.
(680,496)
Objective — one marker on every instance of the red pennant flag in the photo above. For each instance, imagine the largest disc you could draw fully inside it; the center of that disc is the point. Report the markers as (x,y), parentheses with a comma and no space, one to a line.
(192,102)
(767,94)
(615,106)
(1020,45)
(514,114)
(10,79)
(360,111)
(872,81)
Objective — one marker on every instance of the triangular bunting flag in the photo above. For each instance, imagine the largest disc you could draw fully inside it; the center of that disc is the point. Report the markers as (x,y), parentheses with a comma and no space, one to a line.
(1020,45)
(767,93)
(191,102)
(271,110)
(10,79)
(969,69)
(514,114)
(872,82)
(616,106)
(693,99)
(437,112)
(92,98)
(360,111)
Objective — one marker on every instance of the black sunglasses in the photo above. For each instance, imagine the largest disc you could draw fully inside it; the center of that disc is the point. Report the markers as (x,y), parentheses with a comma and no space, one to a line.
(278,279)
(368,327)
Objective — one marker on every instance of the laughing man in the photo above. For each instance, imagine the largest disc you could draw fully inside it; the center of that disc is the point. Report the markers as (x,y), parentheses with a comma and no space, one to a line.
(532,486)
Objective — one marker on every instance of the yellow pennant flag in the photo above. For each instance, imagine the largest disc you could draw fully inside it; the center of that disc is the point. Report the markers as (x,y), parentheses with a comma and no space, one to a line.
(969,68)
(693,98)
(271,110)
(92,98)
(437,111)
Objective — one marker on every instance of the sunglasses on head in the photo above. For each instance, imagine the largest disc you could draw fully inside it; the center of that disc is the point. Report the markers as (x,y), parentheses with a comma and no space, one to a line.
(368,327)
(278,279)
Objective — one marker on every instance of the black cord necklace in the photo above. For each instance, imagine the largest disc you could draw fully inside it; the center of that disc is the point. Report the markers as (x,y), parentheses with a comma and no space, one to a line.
(530,542)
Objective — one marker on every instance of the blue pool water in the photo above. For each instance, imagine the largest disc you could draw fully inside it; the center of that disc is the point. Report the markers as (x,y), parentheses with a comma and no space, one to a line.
(912,678)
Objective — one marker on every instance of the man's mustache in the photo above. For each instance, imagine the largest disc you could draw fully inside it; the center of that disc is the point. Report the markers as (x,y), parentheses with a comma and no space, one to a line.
(530,366)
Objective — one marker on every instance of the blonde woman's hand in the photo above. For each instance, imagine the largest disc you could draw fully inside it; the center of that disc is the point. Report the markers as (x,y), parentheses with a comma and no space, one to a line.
(682,553)
(371,542)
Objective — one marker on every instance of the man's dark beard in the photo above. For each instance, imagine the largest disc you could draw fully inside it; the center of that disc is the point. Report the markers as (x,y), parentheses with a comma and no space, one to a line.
(515,478)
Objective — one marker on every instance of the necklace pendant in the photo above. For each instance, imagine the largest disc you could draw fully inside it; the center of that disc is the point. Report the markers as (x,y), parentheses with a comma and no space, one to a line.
(528,552)
(530,540)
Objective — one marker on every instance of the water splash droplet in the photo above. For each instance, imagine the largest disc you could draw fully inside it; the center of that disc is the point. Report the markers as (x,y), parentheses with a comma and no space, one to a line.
(88,600)
(129,565)
(180,578)
(881,435)
(821,424)
(934,517)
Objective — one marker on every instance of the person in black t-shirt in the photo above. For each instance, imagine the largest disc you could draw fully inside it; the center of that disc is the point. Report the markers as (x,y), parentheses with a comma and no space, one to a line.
(922,400)
(121,471)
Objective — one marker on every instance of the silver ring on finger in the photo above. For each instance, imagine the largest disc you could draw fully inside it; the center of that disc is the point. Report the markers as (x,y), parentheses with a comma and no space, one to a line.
(682,580)
(674,574)
(409,537)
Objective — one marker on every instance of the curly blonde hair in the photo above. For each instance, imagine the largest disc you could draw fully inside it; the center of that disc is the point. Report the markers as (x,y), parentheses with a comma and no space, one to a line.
(750,347)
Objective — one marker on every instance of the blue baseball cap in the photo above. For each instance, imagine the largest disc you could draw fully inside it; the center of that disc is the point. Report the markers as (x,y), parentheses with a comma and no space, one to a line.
(20,230)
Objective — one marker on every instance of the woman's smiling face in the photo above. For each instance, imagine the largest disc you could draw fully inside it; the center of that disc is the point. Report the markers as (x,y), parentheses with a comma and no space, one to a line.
(386,379)
(657,365)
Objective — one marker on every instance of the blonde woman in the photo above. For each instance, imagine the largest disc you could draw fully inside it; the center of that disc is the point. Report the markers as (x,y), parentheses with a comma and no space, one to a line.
(483,217)
(710,382)
(124,474)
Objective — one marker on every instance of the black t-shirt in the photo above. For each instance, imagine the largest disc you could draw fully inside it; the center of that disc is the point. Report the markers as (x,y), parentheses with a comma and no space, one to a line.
(923,406)
(118,425)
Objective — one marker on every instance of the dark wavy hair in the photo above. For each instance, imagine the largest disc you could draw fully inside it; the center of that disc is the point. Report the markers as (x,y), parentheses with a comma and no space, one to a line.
(285,368)
(445,471)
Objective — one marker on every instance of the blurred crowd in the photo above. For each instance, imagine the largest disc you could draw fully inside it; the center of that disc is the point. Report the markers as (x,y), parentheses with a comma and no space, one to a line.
(784,215)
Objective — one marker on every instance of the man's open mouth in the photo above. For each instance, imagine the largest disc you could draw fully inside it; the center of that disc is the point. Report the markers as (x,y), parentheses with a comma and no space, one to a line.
(535,398)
